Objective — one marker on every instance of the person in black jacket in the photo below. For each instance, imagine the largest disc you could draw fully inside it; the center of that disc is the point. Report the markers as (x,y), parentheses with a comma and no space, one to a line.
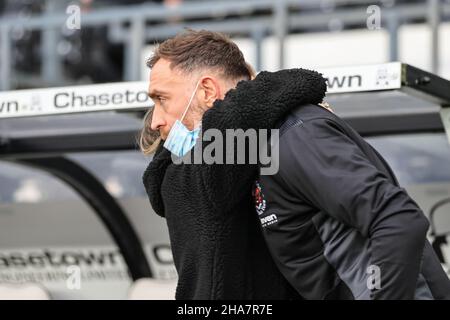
(218,248)
(336,220)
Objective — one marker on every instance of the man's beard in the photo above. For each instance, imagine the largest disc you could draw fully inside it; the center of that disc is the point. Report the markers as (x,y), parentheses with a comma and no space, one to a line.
(196,115)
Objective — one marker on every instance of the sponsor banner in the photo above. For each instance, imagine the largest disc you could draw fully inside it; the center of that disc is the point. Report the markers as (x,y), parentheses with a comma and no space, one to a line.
(78,99)
(363,78)
(133,95)
(79,268)
(161,261)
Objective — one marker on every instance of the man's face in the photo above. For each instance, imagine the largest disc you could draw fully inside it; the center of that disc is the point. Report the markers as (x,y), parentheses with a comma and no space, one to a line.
(170,91)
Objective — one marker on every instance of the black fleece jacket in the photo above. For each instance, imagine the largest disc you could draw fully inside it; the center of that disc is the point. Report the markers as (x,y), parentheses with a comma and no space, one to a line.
(217,244)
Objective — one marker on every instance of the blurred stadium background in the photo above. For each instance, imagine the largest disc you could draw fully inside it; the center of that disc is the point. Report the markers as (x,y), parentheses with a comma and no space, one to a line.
(39,50)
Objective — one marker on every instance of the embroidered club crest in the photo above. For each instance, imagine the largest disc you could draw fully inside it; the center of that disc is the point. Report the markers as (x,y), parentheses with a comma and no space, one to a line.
(260,202)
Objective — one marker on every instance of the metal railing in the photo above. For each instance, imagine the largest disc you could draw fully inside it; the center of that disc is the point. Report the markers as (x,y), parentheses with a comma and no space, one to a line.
(137,25)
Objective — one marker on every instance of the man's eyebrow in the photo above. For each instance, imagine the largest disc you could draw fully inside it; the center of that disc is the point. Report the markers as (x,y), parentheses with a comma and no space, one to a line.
(154,93)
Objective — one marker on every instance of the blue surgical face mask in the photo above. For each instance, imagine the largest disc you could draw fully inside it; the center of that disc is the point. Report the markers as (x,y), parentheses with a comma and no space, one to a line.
(180,139)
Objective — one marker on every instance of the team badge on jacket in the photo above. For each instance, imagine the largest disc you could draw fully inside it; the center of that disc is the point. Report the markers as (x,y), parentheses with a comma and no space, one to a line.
(260,202)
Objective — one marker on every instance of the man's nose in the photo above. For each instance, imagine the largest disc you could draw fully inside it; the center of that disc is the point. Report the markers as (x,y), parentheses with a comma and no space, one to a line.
(157,120)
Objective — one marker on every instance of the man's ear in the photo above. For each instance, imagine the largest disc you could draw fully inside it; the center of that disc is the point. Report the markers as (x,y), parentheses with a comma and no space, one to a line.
(211,89)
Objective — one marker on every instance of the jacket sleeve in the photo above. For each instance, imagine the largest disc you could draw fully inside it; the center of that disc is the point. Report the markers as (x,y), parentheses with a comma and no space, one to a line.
(322,165)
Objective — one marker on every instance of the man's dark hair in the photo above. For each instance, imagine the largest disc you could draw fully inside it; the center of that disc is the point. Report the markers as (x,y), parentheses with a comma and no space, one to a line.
(193,50)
